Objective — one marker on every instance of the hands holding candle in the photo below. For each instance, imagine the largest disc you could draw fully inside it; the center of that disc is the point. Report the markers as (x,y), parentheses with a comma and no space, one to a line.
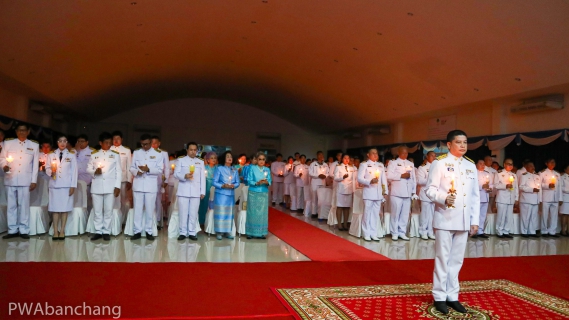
(7,168)
(54,169)
(552,183)
(99,170)
(510,185)
(376,179)
(451,194)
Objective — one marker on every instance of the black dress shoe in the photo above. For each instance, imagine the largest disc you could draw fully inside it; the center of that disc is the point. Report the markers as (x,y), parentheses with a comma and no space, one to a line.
(525,236)
(249,237)
(314,216)
(149,236)
(441,307)
(11,235)
(262,237)
(136,236)
(181,237)
(24,236)
(554,236)
(534,235)
(483,236)
(106,237)
(500,236)
(456,306)
(273,204)
(195,238)
(474,236)
(508,236)
(97,236)
(545,235)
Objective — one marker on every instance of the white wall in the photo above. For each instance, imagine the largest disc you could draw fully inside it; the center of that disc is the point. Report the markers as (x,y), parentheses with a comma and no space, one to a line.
(214,122)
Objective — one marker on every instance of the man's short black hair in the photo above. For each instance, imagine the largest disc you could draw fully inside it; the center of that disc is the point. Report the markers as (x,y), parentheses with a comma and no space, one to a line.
(105,136)
(279,155)
(155,137)
(296,154)
(191,143)
(302,155)
(454,133)
(83,136)
(319,152)
(145,136)
(117,133)
(23,124)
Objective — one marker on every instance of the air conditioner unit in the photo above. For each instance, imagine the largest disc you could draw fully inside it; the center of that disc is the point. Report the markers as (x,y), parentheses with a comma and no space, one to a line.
(553,102)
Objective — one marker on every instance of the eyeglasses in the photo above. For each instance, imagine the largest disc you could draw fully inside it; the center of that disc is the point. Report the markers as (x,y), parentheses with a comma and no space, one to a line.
(508,164)
(62,141)
(261,159)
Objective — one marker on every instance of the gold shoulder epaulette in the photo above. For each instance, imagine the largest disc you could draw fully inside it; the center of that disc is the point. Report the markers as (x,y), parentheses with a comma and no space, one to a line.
(467,158)
(442,156)
(162,150)
(72,152)
(523,174)
(34,141)
(51,152)
(180,157)
(126,147)
(424,164)
(8,139)
(543,170)
(499,170)
(137,149)
(92,148)
(200,158)
(115,151)
(157,149)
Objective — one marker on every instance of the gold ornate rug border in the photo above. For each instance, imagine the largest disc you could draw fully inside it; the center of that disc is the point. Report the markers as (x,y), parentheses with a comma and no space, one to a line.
(312,303)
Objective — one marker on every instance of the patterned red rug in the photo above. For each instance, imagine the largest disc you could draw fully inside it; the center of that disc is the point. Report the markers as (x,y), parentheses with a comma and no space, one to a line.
(487,299)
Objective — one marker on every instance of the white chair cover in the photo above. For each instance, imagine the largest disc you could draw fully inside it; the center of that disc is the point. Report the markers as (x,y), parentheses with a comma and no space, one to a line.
(3,207)
(515,228)
(324,202)
(129,226)
(414,226)
(242,213)
(490,223)
(3,199)
(386,220)
(173,218)
(208,225)
(77,218)
(332,220)
(39,198)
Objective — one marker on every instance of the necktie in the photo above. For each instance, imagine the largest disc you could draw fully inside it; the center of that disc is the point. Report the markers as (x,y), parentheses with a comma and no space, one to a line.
(60,156)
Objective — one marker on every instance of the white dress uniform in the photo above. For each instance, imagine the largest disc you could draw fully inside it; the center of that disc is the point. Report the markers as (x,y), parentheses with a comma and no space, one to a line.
(505,200)
(172,180)
(160,182)
(144,187)
(103,187)
(550,201)
(345,188)
(23,172)
(315,170)
(189,192)
(42,159)
(493,194)
(483,177)
(126,177)
(400,195)
(452,224)
(66,178)
(372,194)
(519,173)
(290,184)
(331,174)
(427,206)
(565,191)
(529,202)
(303,196)
(278,182)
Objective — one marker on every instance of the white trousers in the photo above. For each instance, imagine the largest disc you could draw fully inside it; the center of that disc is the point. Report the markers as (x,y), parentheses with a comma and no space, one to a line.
(426,218)
(449,255)
(188,215)
(144,205)
(399,215)
(121,202)
(370,217)
(18,208)
(292,193)
(103,210)
(278,189)
(482,219)
(300,199)
(158,207)
(504,218)
(549,215)
(529,218)
(314,190)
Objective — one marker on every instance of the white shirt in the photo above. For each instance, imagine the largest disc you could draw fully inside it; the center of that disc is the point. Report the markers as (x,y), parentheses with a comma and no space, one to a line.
(126,158)
(368,171)
(466,209)
(276,169)
(110,163)
(400,187)
(317,169)
(301,181)
(548,194)
(66,169)
(24,167)
(347,185)
(172,179)
(528,182)
(565,187)
(504,195)
(146,182)
(289,173)
(422,176)
(483,177)
(194,187)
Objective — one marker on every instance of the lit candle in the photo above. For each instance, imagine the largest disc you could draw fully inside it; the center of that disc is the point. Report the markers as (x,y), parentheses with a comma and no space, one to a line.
(452,182)
(377,174)
(265,173)
(408,168)
(205,172)
(553,179)
(487,179)
(173,166)
(281,173)
(192,168)
(511,182)
(54,169)
(9,159)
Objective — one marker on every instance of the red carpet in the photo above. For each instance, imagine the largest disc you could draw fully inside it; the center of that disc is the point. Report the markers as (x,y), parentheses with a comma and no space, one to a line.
(316,244)
(211,290)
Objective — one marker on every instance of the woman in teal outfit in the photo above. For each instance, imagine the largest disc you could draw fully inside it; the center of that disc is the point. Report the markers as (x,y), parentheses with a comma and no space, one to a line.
(210,165)
(259,180)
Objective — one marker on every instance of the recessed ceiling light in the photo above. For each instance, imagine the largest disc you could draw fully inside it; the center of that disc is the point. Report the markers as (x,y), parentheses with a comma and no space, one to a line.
(518,79)
(379,34)
(265,1)
(410,14)
(335,60)
(10,60)
(355,49)
(253,21)
(139,25)
(133,3)
(476,89)
(443,97)
(416,104)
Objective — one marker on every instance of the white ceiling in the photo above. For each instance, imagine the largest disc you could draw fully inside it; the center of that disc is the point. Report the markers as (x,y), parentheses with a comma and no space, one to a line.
(326,65)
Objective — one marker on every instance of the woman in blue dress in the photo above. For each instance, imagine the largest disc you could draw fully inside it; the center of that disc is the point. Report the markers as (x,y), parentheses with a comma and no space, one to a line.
(225,181)
(210,165)
(259,180)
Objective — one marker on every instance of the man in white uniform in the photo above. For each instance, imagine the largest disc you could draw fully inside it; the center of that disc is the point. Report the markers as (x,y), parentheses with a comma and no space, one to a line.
(403,184)
(44,151)
(105,169)
(190,171)
(427,206)
(19,160)
(278,172)
(530,193)
(302,186)
(522,170)
(551,198)
(488,163)
(485,183)
(506,198)
(453,187)
(83,157)
(331,172)
(318,171)
(371,176)
(161,180)
(126,176)
(146,168)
